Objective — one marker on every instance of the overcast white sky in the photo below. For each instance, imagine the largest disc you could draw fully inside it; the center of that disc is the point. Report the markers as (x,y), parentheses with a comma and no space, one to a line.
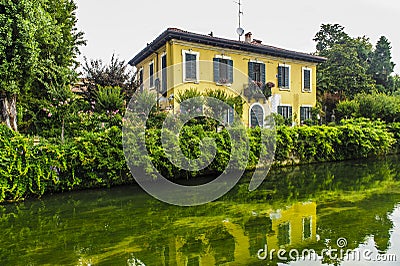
(124,27)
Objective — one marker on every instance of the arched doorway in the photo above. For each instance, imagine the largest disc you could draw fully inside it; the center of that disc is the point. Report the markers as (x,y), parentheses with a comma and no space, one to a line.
(256,115)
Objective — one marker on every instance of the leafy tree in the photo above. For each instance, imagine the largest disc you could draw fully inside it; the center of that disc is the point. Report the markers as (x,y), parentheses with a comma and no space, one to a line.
(235,102)
(381,66)
(363,47)
(345,71)
(61,106)
(328,36)
(38,50)
(396,84)
(19,53)
(115,74)
(109,100)
(58,41)
(374,106)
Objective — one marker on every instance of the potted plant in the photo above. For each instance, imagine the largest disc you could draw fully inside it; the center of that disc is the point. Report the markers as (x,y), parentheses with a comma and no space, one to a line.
(267,89)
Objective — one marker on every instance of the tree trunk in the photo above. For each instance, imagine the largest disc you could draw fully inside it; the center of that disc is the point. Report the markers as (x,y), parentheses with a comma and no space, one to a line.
(9,111)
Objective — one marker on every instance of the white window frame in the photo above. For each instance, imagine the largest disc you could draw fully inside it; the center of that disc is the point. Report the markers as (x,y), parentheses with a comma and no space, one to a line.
(260,62)
(307,106)
(150,77)
(225,58)
(197,54)
(257,61)
(262,107)
(285,105)
(290,77)
(302,79)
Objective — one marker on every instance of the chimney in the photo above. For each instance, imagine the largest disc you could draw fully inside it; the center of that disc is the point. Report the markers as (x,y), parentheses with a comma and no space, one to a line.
(248,37)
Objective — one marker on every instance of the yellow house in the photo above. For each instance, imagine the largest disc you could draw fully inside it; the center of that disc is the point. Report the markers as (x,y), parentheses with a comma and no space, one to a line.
(178,60)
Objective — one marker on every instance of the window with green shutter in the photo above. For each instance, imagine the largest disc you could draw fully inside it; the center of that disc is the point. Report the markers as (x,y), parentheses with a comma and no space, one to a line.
(284,77)
(285,111)
(306,79)
(151,74)
(141,79)
(307,227)
(257,72)
(164,74)
(284,234)
(223,71)
(190,66)
(305,113)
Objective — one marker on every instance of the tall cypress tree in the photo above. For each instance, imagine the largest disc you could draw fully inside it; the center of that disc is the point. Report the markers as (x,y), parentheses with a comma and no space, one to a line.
(381,66)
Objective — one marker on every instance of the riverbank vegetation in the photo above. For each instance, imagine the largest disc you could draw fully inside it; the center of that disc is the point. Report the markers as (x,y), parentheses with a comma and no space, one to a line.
(57,136)
(32,167)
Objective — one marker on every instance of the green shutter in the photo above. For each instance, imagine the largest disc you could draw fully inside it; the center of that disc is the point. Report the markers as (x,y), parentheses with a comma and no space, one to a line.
(164,74)
(307,79)
(262,70)
(280,109)
(230,71)
(251,71)
(302,114)
(151,75)
(191,67)
(216,69)
(287,73)
(141,79)
(280,75)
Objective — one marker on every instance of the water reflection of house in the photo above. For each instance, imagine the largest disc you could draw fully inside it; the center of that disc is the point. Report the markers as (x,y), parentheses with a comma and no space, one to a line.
(239,243)
(293,226)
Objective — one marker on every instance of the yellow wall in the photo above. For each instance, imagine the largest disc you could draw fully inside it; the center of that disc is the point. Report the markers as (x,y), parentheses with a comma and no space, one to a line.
(294,97)
(294,216)
(156,58)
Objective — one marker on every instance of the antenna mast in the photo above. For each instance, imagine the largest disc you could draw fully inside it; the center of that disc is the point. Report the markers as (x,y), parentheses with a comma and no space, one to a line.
(240,31)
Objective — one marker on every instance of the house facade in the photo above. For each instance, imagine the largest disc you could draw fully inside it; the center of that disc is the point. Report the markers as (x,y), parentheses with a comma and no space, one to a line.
(179,60)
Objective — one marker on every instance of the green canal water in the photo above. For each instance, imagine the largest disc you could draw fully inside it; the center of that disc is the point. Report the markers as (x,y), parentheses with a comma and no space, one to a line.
(296,209)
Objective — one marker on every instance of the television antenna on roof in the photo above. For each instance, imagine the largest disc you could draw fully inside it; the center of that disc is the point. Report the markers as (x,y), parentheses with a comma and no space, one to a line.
(240,30)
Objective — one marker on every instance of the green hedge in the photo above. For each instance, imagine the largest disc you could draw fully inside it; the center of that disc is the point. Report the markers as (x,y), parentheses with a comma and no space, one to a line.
(97,159)
(353,139)
(394,128)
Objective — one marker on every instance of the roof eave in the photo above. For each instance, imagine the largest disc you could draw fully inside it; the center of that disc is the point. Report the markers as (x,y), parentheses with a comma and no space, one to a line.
(191,37)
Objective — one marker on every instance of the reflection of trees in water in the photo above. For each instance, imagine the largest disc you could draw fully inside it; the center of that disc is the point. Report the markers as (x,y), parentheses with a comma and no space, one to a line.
(216,242)
(111,226)
(356,221)
(223,245)
(258,228)
(289,185)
